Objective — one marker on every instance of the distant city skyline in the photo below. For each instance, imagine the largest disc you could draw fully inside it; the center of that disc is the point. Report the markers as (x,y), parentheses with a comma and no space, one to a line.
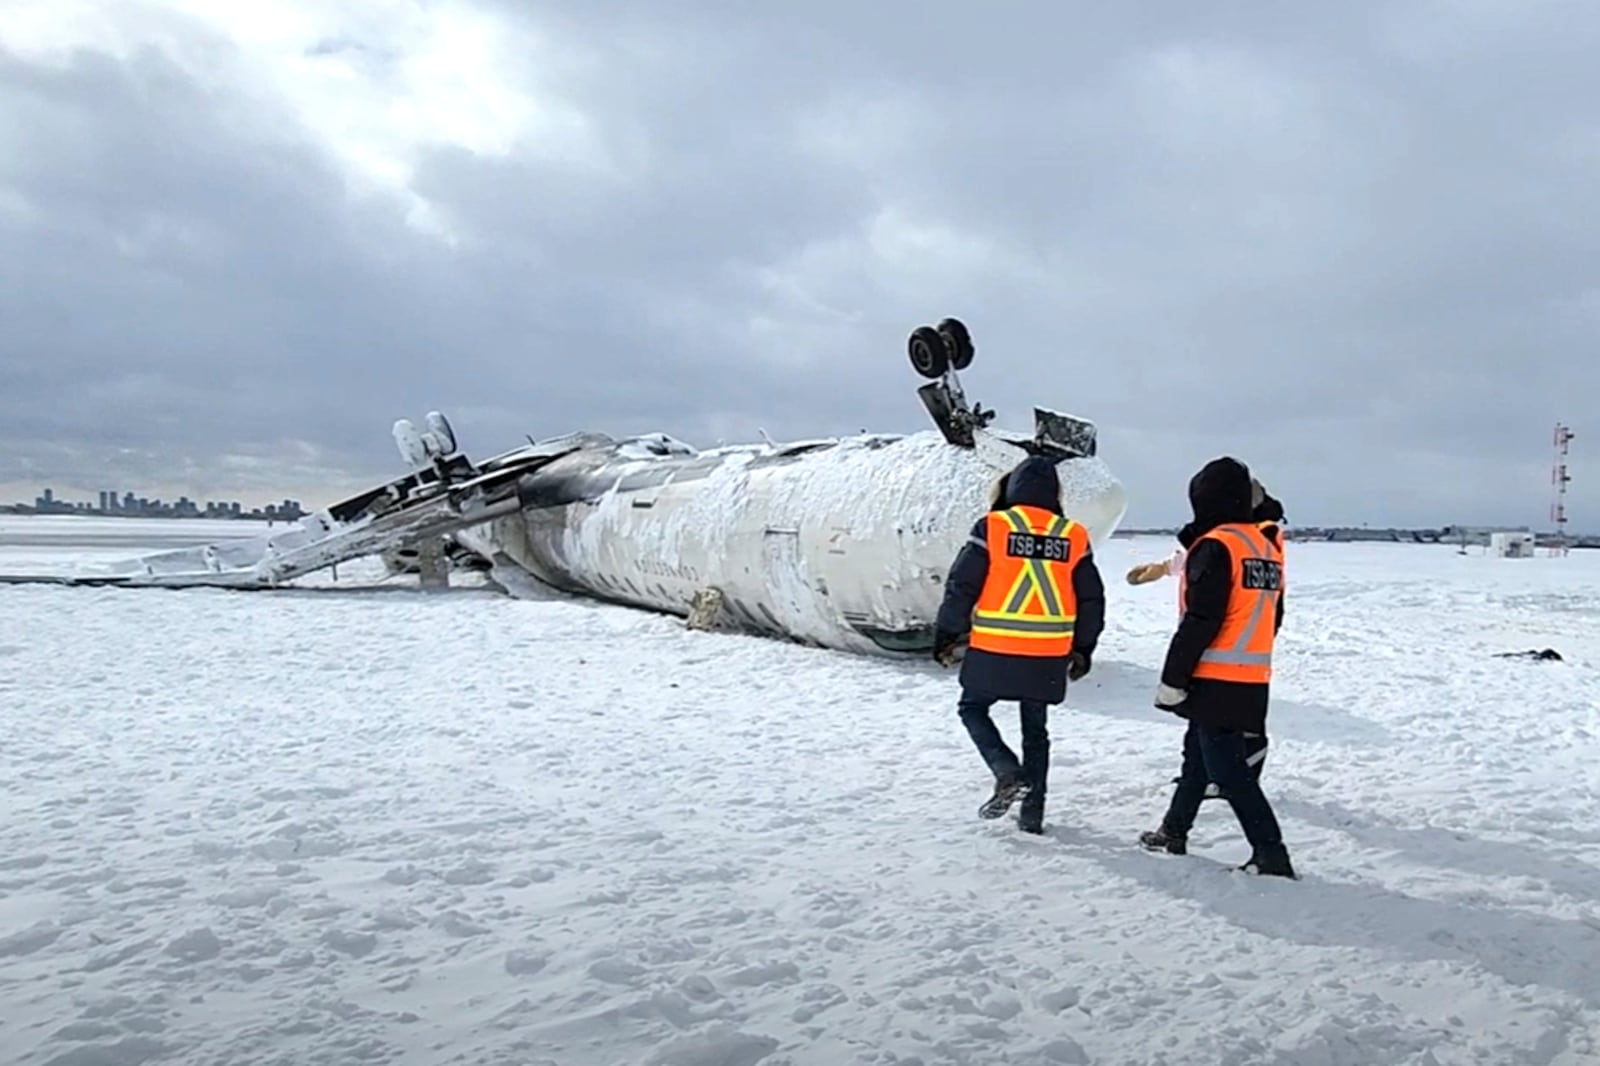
(126,504)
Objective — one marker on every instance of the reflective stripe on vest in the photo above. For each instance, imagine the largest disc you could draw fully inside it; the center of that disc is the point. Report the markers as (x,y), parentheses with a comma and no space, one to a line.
(1242,648)
(1028,606)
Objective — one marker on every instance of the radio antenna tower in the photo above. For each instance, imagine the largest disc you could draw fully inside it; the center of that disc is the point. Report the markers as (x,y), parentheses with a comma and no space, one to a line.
(1558,481)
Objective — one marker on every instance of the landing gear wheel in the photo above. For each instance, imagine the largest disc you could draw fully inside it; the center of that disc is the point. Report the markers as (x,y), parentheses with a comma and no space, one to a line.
(957,342)
(441,429)
(930,356)
(410,443)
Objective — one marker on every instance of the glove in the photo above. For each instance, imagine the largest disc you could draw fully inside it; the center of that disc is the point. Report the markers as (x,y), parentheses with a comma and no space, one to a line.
(1169,698)
(944,647)
(1145,573)
(1077,665)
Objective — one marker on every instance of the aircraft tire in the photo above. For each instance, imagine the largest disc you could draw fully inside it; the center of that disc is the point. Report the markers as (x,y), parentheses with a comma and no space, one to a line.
(930,356)
(957,342)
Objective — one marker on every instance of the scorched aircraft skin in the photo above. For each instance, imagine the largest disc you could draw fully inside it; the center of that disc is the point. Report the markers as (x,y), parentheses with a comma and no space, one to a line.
(841,543)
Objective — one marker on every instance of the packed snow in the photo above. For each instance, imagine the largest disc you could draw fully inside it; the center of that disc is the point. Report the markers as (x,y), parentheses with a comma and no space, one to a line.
(382,825)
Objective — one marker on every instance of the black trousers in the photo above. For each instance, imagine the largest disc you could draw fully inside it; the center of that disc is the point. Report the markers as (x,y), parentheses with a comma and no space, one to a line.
(1034,766)
(1222,757)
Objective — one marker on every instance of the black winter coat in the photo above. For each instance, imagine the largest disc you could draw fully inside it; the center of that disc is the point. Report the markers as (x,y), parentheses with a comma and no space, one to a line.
(1219,494)
(1016,677)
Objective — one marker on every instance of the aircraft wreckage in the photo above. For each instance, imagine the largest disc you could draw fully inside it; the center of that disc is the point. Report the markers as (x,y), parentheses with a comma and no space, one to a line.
(842,542)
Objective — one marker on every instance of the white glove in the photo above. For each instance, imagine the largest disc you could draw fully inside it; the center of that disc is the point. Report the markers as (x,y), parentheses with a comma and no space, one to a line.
(1168,697)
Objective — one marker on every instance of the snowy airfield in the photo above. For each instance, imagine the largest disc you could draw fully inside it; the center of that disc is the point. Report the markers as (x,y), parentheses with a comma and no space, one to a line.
(335,826)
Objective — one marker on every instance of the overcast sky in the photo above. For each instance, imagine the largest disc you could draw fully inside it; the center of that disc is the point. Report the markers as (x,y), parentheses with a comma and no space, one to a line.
(1355,245)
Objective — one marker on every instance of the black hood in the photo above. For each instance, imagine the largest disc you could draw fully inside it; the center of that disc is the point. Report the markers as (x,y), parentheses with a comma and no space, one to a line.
(1268,510)
(1220,493)
(1032,483)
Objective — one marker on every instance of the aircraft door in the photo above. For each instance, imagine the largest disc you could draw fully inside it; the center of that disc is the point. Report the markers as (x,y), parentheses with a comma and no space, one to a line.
(787,591)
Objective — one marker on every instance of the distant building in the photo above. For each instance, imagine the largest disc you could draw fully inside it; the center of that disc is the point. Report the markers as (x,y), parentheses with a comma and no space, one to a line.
(1511,545)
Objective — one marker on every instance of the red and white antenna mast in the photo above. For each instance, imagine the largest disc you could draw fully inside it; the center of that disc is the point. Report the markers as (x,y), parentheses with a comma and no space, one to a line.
(1558,481)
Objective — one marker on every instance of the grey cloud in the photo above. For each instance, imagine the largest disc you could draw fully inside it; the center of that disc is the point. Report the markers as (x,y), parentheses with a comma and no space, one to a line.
(1352,247)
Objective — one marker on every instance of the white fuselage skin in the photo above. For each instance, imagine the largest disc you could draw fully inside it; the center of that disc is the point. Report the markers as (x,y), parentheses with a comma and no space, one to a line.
(844,547)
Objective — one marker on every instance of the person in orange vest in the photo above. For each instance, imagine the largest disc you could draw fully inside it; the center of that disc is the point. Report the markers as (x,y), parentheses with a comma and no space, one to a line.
(1219,665)
(1267,514)
(1025,592)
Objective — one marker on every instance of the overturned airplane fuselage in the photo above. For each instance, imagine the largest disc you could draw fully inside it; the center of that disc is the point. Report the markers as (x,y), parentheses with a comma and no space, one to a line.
(842,543)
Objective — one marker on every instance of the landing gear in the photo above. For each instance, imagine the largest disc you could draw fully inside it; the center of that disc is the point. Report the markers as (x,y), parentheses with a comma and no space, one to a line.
(936,353)
(424,448)
(936,350)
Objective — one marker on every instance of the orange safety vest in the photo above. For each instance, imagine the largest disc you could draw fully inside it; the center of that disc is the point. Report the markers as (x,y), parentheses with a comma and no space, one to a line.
(1183,571)
(1242,648)
(1028,605)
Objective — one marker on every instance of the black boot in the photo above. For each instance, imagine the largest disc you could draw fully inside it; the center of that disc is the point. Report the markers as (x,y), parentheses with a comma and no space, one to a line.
(1008,788)
(1271,865)
(1161,840)
(1031,818)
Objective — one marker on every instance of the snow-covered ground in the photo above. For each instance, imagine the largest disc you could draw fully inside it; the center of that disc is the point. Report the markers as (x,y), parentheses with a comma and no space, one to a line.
(342,827)
(51,544)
